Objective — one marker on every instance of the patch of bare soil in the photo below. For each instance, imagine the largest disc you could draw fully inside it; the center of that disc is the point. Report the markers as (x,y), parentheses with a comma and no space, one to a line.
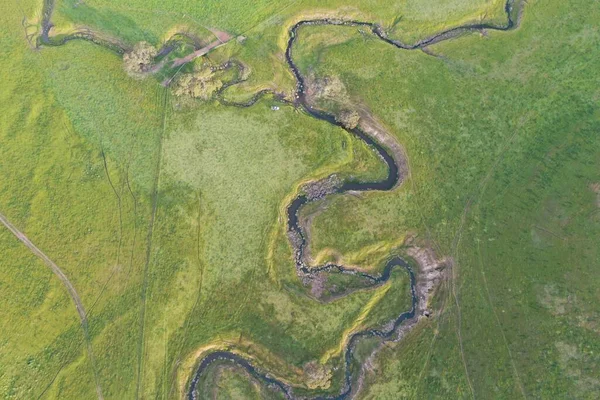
(550,297)
(198,53)
(374,129)
(590,322)
(432,270)
(574,365)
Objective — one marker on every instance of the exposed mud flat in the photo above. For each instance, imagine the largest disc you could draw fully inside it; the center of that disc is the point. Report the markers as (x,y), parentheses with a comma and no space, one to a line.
(432,271)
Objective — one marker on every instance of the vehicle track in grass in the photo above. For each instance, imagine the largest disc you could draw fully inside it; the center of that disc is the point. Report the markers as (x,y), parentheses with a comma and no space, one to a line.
(68,285)
(164,98)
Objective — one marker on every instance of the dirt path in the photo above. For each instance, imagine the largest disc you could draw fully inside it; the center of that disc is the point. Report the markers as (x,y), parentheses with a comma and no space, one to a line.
(198,53)
(70,288)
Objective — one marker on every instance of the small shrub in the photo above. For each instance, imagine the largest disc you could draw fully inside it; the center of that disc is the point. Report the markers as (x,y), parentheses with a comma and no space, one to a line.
(348,118)
(200,84)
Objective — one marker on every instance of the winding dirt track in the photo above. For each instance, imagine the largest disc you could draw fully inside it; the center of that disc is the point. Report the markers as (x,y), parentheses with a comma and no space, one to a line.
(70,288)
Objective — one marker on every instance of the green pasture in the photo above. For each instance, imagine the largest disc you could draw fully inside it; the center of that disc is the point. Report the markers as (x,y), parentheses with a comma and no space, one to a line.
(167,214)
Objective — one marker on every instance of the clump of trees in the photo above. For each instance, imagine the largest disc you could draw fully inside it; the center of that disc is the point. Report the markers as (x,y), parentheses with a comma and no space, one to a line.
(201,84)
(318,376)
(348,118)
(139,61)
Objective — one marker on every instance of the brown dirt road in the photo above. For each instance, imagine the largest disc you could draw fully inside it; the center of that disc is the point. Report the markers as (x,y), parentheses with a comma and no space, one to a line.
(57,271)
(201,52)
(70,288)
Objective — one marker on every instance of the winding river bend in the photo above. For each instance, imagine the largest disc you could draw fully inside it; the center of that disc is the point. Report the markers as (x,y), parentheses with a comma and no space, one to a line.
(296,231)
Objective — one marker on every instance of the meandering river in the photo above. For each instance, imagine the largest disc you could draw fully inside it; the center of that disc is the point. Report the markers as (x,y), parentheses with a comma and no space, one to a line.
(296,230)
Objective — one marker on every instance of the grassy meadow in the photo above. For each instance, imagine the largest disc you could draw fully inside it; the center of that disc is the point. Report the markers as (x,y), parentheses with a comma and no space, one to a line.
(501,132)
(168,215)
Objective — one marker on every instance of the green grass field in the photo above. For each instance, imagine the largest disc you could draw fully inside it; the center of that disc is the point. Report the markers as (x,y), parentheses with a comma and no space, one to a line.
(167,213)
